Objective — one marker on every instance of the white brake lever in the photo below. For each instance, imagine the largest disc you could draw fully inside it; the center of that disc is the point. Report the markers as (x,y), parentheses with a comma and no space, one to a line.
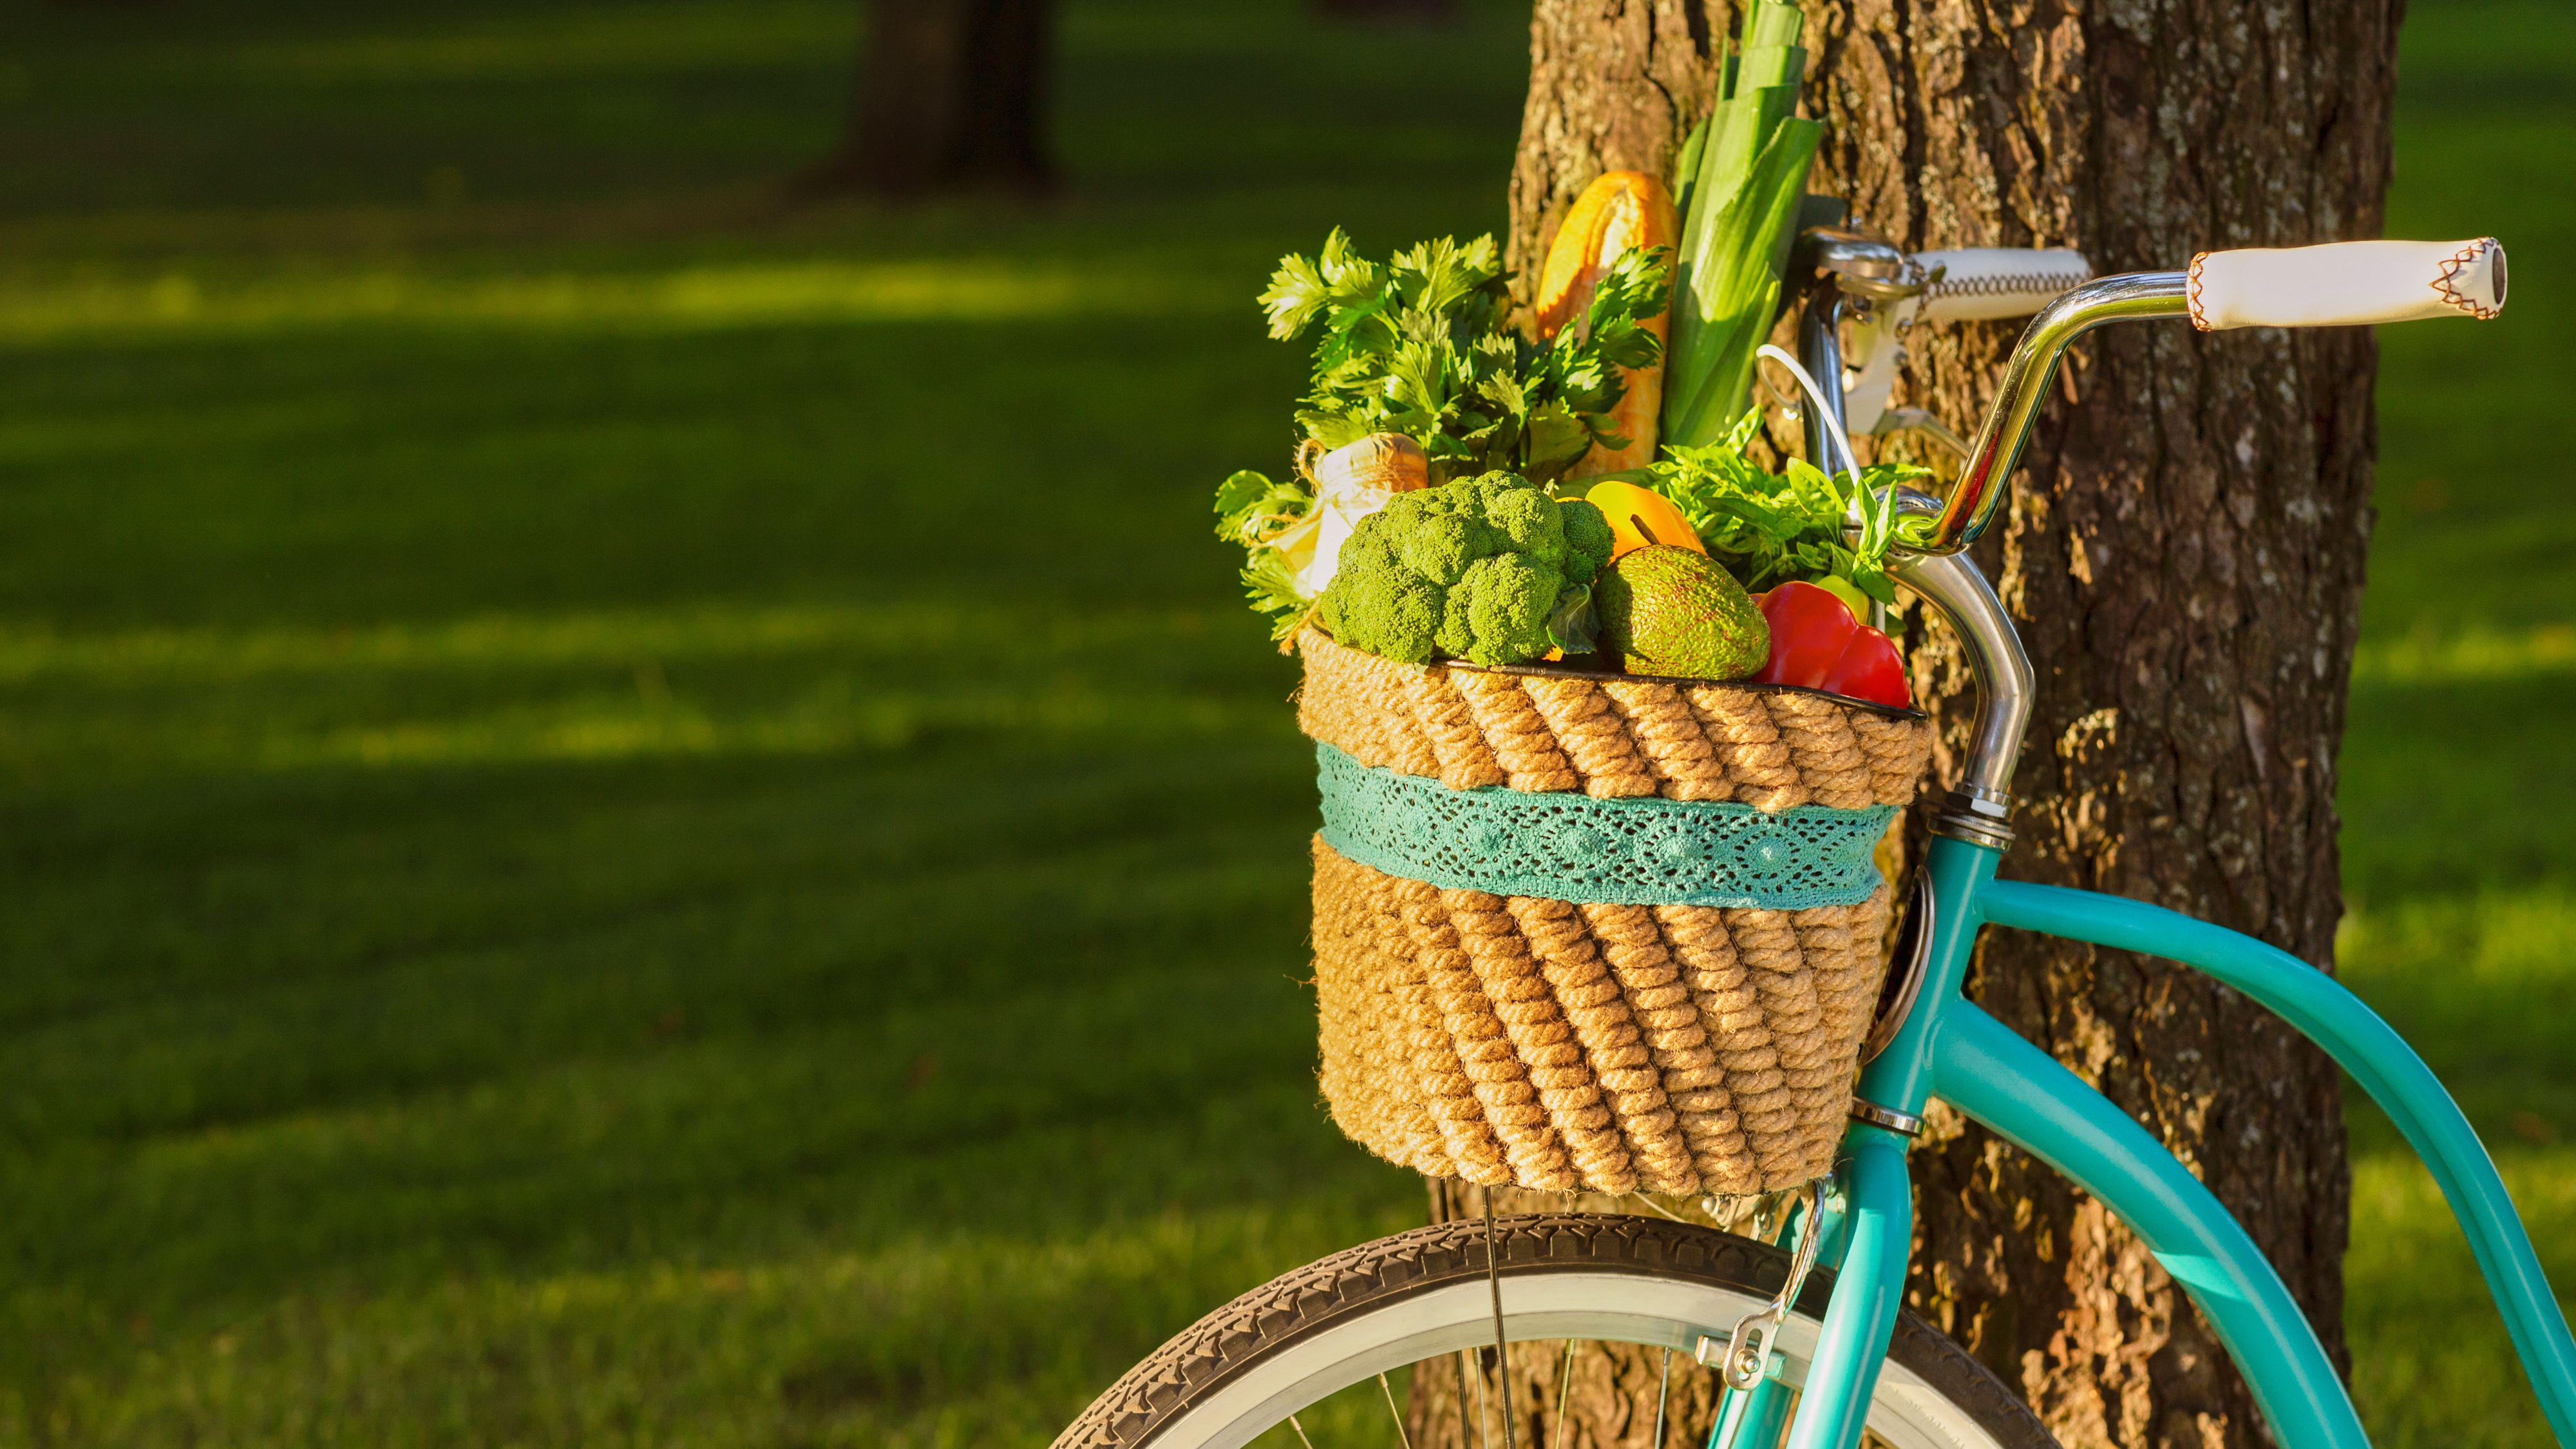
(1968,284)
(1876,342)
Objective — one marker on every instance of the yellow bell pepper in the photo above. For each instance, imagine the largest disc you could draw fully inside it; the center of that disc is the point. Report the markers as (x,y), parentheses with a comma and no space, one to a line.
(1641,516)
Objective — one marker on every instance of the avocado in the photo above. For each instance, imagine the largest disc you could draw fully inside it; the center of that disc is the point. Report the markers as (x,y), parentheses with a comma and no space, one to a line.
(1674,611)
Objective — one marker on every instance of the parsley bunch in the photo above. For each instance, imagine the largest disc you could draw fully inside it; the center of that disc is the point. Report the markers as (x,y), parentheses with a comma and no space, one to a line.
(1424,345)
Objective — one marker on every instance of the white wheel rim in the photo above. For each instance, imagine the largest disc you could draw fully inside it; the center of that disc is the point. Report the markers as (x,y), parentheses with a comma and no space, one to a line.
(1573,1303)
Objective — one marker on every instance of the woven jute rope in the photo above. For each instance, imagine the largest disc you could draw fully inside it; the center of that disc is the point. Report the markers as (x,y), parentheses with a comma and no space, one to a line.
(1521,1041)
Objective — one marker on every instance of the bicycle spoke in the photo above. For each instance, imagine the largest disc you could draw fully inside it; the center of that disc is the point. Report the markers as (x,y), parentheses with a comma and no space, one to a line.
(1663,1385)
(1462,1399)
(1484,1422)
(1402,1437)
(1502,1355)
(1564,1385)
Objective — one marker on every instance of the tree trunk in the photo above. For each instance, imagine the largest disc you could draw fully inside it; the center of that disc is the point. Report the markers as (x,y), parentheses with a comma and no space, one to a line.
(2183,556)
(952,93)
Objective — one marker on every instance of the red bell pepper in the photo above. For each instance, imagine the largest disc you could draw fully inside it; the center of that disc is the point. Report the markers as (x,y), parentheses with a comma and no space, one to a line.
(1817,644)
(1870,670)
(1809,630)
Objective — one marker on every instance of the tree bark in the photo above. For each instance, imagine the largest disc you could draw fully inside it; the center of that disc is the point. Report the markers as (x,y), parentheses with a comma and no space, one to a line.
(2183,556)
(952,94)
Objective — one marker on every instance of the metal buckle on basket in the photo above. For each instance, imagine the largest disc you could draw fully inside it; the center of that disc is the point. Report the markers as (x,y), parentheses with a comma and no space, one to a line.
(1747,1355)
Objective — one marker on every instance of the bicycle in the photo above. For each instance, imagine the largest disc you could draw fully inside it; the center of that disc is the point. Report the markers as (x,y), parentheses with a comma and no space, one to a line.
(1808,1333)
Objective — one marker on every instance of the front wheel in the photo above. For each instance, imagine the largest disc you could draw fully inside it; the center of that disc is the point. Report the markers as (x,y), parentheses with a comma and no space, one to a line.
(1422,1299)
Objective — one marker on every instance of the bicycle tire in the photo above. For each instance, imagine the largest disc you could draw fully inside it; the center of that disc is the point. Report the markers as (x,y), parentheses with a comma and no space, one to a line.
(1333,1322)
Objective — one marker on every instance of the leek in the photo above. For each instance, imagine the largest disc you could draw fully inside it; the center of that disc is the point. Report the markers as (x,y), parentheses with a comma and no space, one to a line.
(1745,176)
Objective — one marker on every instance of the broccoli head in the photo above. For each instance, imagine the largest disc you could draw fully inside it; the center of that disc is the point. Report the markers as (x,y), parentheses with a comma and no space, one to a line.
(1588,541)
(1470,569)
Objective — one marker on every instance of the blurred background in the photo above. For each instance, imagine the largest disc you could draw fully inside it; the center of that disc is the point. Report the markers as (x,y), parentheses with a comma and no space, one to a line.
(637,807)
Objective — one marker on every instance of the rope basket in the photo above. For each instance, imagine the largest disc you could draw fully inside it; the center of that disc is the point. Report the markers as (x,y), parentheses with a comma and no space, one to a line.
(1689,1021)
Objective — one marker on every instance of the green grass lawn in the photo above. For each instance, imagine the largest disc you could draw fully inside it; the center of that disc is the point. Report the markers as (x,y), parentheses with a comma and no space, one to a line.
(631,815)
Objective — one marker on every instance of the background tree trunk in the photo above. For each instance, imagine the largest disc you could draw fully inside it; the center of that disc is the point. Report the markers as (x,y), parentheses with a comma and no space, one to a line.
(952,93)
(2183,555)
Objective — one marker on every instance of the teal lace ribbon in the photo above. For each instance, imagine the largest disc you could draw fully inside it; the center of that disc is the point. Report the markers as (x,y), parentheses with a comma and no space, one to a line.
(1571,847)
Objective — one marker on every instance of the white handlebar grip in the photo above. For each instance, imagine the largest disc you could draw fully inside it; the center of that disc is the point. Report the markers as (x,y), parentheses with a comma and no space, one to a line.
(2346,284)
(1981,283)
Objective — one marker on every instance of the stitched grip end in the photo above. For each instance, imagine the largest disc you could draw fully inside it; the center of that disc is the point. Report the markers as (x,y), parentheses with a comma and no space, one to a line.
(2347,284)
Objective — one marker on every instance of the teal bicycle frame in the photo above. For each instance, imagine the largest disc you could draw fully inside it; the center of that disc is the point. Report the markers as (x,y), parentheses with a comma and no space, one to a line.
(1946,1047)
(1949,1049)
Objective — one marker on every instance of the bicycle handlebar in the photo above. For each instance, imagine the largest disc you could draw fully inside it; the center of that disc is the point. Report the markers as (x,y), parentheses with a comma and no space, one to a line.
(1971,504)
(2337,285)
(2346,284)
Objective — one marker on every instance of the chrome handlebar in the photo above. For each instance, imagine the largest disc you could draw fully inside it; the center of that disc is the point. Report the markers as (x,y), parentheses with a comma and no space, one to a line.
(2337,284)
(1992,457)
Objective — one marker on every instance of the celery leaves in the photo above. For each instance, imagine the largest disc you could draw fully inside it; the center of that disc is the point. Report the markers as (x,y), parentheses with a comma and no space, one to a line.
(1425,345)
